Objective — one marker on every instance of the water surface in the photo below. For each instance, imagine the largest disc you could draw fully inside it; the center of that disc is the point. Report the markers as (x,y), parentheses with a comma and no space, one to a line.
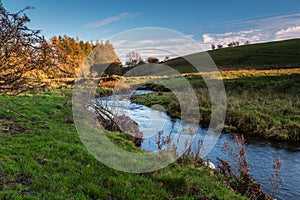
(260,152)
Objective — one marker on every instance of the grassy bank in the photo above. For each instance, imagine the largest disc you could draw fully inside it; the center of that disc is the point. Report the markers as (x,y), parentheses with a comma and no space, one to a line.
(262,103)
(43,158)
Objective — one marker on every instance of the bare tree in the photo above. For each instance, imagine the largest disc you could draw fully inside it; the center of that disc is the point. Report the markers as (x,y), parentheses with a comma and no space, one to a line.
(133,59)
(166,58)
(213,47)
(231,44)
(152,60)
(24,54)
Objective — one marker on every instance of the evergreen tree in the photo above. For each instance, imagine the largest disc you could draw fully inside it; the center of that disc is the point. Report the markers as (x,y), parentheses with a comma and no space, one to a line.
(70,53)
(105,60)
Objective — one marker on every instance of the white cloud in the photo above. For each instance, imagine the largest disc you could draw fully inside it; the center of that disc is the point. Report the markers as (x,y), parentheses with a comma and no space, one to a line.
(158,47)
(207,38)
(109,20)
(263,29)
(240,36)
(269,22)
(288,33)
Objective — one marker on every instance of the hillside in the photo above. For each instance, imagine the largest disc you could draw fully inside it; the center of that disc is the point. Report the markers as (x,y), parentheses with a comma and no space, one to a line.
(271,55)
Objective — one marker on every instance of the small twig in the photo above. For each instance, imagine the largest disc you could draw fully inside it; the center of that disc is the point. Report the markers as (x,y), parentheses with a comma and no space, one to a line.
(22,115)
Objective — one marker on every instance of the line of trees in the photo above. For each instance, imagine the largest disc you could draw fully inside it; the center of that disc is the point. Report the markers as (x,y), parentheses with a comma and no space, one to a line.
(135,58)
(231,44)
(70,53)
(27,59)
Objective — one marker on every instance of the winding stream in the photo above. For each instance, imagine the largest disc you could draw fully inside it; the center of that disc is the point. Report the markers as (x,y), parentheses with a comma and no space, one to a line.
(260,152)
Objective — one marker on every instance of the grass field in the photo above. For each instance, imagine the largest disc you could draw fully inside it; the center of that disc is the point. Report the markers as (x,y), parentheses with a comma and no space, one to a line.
(43,158)
(262,103)
(262,84)
(271,55)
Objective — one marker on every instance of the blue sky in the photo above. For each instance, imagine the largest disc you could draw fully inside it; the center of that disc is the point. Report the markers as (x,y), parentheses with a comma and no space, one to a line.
(205,21)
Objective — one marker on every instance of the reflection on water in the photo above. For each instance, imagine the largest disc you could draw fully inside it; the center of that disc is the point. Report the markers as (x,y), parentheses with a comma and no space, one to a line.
(260,152)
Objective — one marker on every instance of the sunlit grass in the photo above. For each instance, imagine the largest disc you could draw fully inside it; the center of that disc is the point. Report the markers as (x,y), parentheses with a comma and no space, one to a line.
(264,103)
(46,160)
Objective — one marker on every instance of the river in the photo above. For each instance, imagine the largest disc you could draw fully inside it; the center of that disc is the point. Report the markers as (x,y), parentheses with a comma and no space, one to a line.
(260,152)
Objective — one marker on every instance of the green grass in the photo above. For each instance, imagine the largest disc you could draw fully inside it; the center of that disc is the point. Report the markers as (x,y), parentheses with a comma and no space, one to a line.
(260,105)
(271,55)
(45,159)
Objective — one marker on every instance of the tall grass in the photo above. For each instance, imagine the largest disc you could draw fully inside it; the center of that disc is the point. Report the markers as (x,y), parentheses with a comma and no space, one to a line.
(236,173)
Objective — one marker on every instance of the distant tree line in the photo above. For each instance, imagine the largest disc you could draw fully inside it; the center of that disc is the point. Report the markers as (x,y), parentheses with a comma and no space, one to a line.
(135,59)
(231,44)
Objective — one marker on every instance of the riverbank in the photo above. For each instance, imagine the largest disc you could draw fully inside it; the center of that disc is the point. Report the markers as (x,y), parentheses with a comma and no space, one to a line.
(262,103)
(42,157)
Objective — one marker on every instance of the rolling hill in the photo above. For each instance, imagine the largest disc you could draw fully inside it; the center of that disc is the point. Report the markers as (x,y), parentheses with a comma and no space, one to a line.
(270,55)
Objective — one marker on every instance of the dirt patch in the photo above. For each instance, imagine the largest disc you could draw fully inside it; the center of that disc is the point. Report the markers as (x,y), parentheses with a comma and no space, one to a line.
(8,126)
(129,125)
(123,123)
(18,179)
